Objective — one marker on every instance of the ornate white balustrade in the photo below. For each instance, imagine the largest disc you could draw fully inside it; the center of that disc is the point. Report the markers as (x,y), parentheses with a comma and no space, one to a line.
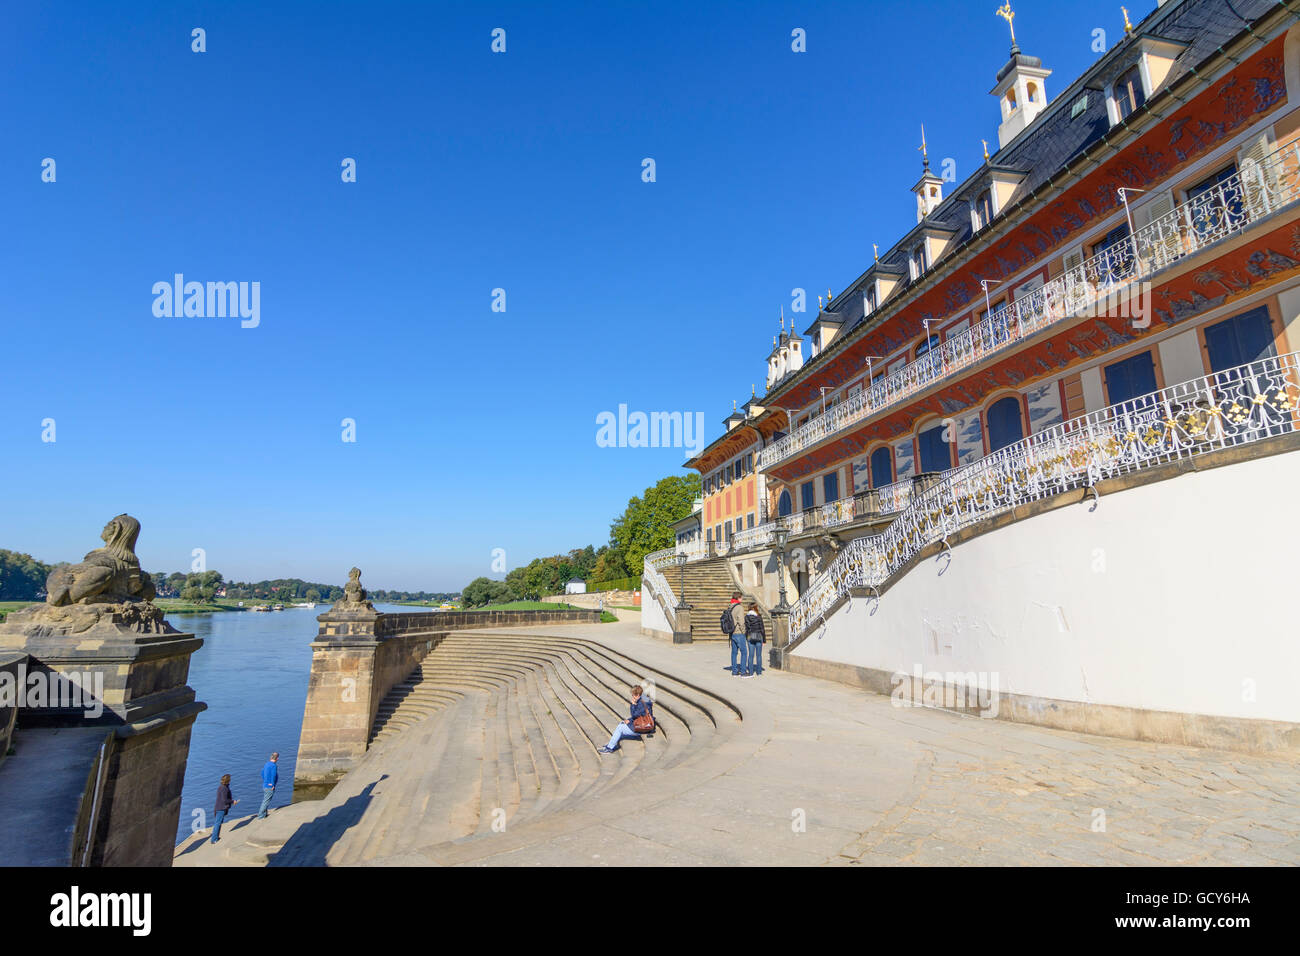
(1255,191)
(1231,408)
(655,565)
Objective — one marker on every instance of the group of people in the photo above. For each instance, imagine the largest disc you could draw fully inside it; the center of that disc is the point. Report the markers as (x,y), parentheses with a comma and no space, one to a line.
(747,636)
(226,800)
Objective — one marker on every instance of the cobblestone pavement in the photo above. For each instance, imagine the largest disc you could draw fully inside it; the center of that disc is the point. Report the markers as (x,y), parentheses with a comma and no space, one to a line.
(1105,802)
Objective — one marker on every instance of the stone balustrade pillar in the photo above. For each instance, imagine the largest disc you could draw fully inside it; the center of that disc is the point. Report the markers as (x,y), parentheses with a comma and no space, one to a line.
(780,638)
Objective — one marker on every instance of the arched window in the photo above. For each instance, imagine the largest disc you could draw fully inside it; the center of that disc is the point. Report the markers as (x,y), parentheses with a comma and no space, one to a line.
(927,345)
(1032,89)
(1011,98)
(784,505)
(1004,422)
(882,467)
(936,454)
(1128,93)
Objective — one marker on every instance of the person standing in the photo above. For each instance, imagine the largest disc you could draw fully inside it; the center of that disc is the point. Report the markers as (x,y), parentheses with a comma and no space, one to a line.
(270,775)
(732,627)
(225,800)
(755,634)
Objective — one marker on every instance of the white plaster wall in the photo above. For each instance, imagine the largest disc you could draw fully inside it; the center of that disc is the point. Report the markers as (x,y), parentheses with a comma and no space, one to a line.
(1094,396)
(1289,303)
(652,615)
(1171,596)
(1180,357)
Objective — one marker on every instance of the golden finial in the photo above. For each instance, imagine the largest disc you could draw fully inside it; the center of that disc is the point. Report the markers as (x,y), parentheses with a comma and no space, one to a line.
(1006,13)
(924,154)
(986,149)
(819,303)
(1128,27)
(829,297)
(875,252)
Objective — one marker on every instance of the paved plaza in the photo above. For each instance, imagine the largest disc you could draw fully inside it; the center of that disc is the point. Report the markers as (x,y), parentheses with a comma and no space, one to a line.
(779,769)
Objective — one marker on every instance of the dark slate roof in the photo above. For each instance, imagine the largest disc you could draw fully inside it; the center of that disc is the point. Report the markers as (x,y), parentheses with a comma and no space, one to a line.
(1054,137)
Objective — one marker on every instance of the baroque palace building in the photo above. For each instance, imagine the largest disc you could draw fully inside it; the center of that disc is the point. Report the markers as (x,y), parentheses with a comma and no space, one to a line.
(1109,304)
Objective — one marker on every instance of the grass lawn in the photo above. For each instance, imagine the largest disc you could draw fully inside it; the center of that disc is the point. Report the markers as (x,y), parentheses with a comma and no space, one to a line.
(177,606)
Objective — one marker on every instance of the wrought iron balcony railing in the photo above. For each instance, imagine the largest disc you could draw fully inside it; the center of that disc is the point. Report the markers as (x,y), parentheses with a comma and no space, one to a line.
(1232,408)
(1255,191)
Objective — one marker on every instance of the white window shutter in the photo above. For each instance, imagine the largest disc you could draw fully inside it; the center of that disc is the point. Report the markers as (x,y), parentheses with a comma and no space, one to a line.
(1258,182)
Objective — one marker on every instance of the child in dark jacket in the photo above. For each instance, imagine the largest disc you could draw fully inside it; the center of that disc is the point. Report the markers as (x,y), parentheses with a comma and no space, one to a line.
(755,635)
(641,706)
(225,800)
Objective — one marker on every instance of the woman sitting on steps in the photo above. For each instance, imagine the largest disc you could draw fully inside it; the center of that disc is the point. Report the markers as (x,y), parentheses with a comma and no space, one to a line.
(641,722)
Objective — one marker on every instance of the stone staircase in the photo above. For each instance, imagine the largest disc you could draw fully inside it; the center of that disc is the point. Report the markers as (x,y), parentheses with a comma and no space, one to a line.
(709,586)
(493,730)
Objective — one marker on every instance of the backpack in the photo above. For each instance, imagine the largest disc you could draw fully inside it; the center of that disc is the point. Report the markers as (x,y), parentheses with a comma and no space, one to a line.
(728,622)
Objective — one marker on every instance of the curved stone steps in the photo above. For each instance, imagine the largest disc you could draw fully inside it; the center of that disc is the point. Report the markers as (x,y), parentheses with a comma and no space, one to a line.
(590,671)
(437,798)
(554,769)
(491,724)
(686,707)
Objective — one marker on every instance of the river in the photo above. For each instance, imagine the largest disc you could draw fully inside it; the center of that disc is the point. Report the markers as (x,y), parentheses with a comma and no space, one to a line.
(252,672)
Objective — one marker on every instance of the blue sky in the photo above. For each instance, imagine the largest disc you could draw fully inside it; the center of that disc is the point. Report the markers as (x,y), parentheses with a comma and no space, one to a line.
(475,429)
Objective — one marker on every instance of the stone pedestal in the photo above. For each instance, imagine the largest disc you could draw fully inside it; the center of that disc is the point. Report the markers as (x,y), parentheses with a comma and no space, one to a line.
(357,658)
(780,638)
(682,624)
(123,668)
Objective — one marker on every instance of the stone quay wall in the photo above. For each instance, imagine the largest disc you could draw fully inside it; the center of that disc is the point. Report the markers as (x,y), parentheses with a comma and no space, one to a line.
(592,600)
(357,658)
(464,620)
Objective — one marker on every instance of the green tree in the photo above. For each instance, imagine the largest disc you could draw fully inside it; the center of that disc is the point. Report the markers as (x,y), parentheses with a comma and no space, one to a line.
(313,595)
(22,577)
(646,523)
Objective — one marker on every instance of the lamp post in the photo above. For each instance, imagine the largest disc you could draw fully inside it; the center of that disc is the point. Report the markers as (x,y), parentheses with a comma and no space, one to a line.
(782,535)
(681,580)
(780,613)
(682,613)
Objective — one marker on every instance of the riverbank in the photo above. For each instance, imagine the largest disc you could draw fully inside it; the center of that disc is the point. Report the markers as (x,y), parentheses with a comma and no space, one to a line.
(168,606)
(7,606)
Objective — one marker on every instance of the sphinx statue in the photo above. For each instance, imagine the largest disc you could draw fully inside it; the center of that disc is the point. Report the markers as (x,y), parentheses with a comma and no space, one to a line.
(107,575)
(107,584)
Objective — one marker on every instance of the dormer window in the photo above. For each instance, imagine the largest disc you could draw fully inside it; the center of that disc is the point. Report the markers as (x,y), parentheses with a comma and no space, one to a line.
(981,213)
(916,261)
(1128,92)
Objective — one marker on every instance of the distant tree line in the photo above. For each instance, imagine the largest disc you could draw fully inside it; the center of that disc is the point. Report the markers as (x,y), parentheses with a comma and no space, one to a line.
(22,577)
(644,526)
